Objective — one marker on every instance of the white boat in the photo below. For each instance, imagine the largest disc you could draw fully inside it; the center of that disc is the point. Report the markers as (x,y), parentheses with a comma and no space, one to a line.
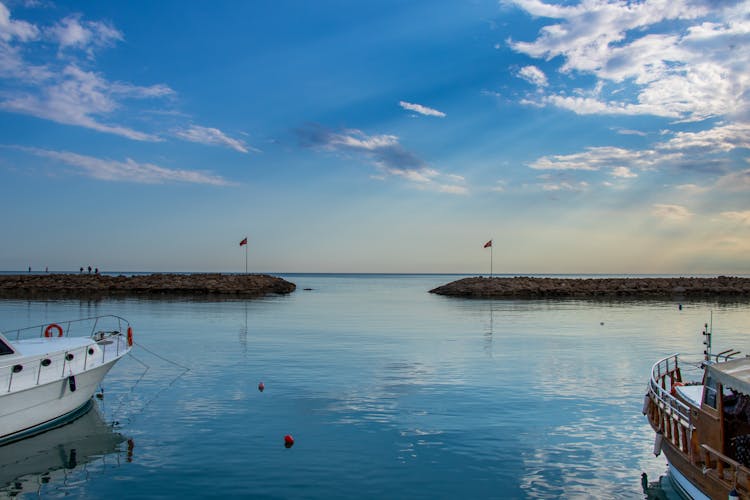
(49,373)
(700,411)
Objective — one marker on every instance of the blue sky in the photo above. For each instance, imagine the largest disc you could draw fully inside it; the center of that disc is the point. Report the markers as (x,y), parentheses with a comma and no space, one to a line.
(584,136)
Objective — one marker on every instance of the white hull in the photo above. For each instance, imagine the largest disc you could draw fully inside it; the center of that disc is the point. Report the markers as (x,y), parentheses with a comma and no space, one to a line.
(685,487)
(47,376)
(25,410)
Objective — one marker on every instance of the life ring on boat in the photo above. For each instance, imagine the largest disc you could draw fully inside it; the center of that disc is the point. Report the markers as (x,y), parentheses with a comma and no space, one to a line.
(675,386)
(53,326)
(130,336)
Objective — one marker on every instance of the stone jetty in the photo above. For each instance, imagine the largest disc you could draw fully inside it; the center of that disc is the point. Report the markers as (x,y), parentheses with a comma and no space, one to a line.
(98,285)
(606,288)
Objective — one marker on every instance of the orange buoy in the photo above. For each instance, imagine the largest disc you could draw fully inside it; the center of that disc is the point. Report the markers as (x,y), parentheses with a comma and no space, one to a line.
(53,326)
(288,441)
(130,336)
(261,387)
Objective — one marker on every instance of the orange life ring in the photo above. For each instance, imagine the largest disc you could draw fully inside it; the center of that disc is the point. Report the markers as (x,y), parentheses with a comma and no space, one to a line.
(53,326)
(130,336)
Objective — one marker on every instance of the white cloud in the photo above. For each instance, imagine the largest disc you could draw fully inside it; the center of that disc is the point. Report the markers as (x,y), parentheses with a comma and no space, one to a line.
(735,181)
(741,217)
(565,186)
(60,90)
(78,97)
(387,154)
(623,173)
(128,170)
(722,138)
(597,158)
(71,32)
(211,136)
(671,213)
(10,29)
(533,75)
(422,110)
(683,59)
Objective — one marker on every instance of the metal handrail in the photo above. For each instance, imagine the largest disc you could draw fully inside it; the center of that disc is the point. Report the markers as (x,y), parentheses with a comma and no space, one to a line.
(68,324)
(659,370)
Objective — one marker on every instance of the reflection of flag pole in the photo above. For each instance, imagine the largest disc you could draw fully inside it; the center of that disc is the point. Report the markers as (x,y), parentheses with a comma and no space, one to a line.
(244,243)
(489,244)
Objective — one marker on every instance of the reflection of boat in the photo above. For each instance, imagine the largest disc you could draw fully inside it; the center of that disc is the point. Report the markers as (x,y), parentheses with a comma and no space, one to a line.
(25,464)
(702,423)
(48,375)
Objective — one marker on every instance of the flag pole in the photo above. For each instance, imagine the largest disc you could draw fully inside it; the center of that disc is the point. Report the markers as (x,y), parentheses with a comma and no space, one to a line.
(246,256)
(490,260)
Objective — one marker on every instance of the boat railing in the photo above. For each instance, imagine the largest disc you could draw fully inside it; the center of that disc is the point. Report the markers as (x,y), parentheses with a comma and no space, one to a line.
(733,474)
(670,416)
(72,328)
(106,331)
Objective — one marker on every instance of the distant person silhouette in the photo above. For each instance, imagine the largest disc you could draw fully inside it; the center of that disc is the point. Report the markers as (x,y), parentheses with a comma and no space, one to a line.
(89,269)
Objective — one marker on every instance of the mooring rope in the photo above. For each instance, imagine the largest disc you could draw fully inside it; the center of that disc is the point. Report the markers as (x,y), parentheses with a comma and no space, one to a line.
(129,394)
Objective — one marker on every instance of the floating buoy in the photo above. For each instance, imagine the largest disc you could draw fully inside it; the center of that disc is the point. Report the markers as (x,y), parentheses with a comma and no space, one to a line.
(261,387)
(657,443)
(288,441)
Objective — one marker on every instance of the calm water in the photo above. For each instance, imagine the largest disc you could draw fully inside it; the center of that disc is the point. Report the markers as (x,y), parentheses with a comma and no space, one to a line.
(389,392)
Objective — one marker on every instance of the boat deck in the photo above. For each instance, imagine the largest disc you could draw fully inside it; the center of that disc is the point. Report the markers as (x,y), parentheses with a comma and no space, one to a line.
(692,393)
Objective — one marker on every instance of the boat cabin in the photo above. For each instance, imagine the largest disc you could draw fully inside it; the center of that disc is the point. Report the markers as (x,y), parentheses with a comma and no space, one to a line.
(731,380)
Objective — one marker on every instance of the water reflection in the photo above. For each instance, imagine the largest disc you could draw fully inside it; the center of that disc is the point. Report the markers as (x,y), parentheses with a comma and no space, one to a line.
(52,457)
(662,489)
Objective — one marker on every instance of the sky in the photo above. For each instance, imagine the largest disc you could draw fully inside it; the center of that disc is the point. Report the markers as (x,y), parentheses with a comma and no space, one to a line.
(591,136)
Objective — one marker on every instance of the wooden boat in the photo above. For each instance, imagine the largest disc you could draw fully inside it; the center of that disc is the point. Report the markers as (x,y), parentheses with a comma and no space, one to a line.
(48,375)
(700,411)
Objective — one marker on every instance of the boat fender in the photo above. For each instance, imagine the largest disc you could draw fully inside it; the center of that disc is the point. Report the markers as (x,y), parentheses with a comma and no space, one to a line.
(657,443)
(130,336)
(53,326)
(646,402)
(733,495)
(72,383)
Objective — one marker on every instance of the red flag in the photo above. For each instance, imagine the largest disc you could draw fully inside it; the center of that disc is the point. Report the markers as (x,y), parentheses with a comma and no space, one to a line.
(243,242)
(488,244)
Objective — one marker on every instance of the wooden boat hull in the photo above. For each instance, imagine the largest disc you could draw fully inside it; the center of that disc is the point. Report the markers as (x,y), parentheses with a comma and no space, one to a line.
(688,478)
(44,407)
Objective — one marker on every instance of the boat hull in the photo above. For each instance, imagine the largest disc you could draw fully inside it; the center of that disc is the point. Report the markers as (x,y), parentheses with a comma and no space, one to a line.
(44,407)
(689,478)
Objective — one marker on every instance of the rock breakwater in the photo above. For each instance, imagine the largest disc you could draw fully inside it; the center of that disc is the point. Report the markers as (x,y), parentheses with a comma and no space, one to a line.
(632,288)
(97,285)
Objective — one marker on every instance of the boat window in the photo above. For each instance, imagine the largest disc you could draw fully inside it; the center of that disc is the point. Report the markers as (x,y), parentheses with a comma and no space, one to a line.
(5,348)
(709,395)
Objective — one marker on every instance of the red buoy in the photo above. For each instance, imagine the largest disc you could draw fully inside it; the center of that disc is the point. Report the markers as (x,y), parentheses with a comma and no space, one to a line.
(261,387)
(288,441)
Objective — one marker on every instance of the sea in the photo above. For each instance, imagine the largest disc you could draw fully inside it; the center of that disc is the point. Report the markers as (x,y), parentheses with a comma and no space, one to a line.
(386,390)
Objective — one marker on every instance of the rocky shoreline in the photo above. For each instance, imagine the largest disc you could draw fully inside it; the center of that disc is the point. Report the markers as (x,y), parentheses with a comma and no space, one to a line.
(606,288)
(98,285)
